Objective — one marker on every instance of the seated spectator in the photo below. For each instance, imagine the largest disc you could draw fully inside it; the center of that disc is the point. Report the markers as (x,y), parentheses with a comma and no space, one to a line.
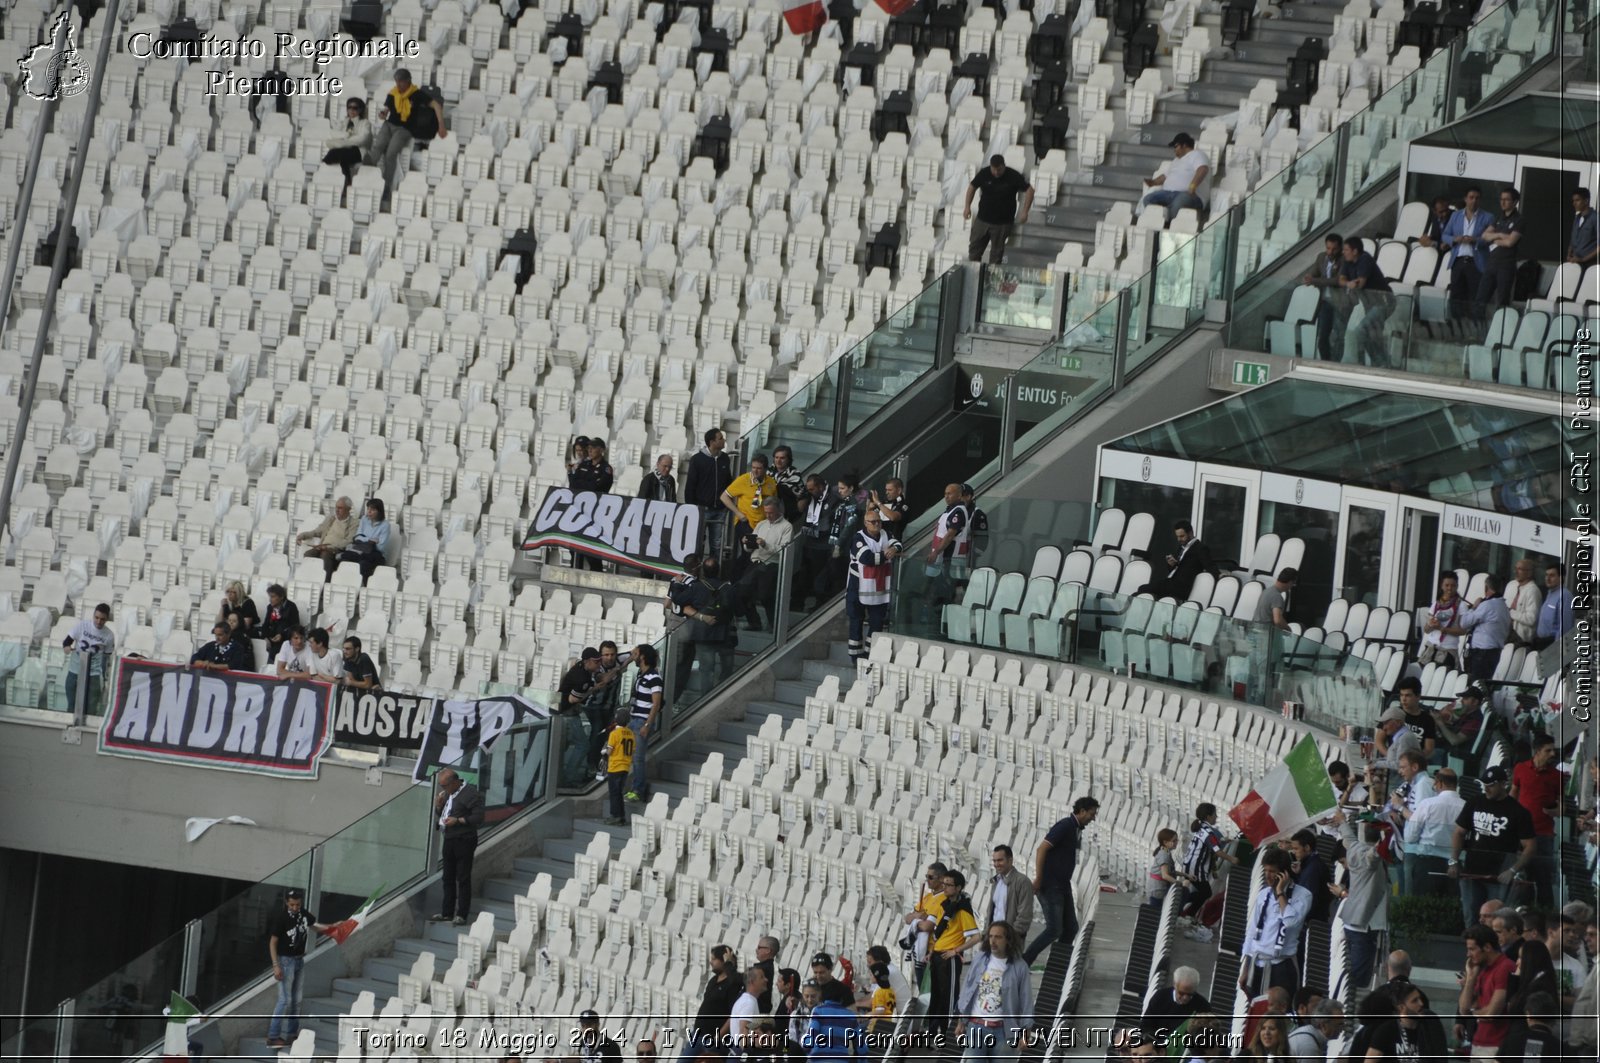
(1400,738)
(225,653)
(1436,646)
(1271,1040)
(337,531)
(1170,1007)
(282,615)
(1536,1037)
(295,656)
(351,139)
(94,637)
(372,538)
(1184,184)
(1177,579)
(1433,228)
(1417,718)
(329,662)
(359,671)
(766,544)
(238,610)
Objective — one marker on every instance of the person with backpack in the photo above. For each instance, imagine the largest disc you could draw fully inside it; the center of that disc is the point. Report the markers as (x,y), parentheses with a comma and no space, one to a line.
(409,114)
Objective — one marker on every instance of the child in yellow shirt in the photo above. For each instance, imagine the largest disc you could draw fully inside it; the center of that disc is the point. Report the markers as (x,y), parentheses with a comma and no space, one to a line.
(617,760)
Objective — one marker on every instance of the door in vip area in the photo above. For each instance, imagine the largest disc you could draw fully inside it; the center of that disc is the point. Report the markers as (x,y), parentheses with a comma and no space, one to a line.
(1226,522)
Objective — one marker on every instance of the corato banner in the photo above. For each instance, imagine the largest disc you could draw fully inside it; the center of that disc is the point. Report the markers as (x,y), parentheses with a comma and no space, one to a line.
(381,718)
(455,725)
(235,721)
(654,536)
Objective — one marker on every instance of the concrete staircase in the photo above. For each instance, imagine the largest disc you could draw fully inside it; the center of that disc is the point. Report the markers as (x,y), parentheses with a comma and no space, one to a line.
(1134,155)
(554,856)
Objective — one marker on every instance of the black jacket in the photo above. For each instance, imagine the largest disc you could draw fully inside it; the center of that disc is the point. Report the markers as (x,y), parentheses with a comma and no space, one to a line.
(589,475)
(276,624)
(468,805)
(1179,579)
(708,477)
(658,489)
(237,654)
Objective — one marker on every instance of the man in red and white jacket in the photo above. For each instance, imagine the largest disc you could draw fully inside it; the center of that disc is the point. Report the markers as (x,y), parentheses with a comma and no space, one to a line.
(867,587)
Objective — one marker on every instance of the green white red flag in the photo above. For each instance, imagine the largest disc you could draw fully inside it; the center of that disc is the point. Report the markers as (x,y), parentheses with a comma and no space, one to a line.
(1290,796)
(175,1039)
(342,930)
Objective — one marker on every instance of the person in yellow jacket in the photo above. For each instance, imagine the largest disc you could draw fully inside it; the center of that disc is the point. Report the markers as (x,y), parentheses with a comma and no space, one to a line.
(618,761)
(949,933)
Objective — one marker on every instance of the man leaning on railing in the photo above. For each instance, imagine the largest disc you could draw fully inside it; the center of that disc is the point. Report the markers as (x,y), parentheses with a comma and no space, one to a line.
(93,643)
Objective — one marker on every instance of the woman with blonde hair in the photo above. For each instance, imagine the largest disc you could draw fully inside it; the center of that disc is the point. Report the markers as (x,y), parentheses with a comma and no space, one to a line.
(238,611)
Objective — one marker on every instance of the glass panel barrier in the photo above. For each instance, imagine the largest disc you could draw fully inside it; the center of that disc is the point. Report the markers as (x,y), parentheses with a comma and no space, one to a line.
(1015,297)
(121,1013)
(233,939)
(1066,377)
(36,1039)
(392,841)
(1296,202)
(898,352)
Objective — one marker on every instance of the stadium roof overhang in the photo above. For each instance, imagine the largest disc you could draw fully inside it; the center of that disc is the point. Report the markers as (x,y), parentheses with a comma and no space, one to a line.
(1547,125)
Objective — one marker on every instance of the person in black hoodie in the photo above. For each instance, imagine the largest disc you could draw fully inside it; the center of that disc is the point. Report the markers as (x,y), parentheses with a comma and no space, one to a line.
(710,473)
(816,522)
(282,614)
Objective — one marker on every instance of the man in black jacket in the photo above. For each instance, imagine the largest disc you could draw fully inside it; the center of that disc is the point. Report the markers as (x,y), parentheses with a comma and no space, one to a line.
(460,808)
(710,473)
(225,653)
(1182,568)
(659,485)
(403,121)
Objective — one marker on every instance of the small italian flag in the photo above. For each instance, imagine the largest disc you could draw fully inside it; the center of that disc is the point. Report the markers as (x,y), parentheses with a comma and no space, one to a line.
(175,1041)
(1292,795)
(804,16)
(342,930)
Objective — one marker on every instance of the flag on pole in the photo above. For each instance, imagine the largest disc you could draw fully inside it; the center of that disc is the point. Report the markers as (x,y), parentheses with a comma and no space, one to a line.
(896,7)
(175,1039)
(1290,796)
(804,16)
(342,930)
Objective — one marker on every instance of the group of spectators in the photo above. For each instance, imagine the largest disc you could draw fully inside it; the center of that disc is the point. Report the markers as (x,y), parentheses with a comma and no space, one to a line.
(1470,636)
(410,117)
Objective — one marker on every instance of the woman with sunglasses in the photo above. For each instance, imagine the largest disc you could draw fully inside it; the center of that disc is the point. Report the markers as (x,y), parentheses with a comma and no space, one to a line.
(351,137)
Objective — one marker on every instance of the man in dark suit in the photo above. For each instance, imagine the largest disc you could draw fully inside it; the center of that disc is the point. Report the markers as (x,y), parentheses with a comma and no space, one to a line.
(1324,274)
(460,808)
(1182,568)
(659,485)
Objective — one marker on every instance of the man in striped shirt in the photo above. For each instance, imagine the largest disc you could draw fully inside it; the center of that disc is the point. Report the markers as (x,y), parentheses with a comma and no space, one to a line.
(1199,863)
(648,693)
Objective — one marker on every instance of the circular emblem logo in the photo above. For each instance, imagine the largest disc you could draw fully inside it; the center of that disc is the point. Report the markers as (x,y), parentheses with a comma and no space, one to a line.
(1144,468)
(1461,163)
(1299,491)
(977,385)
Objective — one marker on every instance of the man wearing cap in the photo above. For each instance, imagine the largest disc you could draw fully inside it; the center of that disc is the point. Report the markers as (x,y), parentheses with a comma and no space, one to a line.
(998,186)
(403,123)
(571,697)
(1429,828)
(828,987)
(593,1044)
(459,806)
(1492,844)
(1487,626)
(1459,724)
(286,945)
(1184,184)
(1401,738)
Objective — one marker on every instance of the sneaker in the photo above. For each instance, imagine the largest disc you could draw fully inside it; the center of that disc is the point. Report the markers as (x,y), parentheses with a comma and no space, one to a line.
(440,918)
(458,921)
(1199,933)
(616,821)
(277,1042)
(599,776)
(632,795)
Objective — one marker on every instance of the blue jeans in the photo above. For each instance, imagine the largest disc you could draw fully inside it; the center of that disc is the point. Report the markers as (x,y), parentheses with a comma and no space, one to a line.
(1475,891)
(91,696)
(1361,949)
(286,1015)
(715,518)
(637,783)
(988,1042)
(1542,870)
(1173,200)
(1060,922)
(874,617)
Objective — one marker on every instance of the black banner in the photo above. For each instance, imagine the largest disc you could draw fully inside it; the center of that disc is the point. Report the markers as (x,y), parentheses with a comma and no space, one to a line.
(453,727)
(381,718)
(654,536)
(234,721)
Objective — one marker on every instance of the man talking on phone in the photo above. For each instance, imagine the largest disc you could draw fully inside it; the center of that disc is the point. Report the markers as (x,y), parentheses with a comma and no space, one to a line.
(1272,938)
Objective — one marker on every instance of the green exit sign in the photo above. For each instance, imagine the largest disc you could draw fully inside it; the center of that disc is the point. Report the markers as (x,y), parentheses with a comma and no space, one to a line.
(1071,361)
(1251,374)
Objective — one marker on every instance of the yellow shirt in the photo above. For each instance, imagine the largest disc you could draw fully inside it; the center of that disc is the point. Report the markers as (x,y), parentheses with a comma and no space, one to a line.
(749,497)
(883,1001)
(619,750)
(955,932)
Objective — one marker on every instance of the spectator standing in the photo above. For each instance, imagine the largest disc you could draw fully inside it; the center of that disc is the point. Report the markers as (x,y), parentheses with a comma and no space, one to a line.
(282,616)
(359,671)
(1492,844)
(1583,1029)
(649,692)
(869,582)
(1273,605)
(590,473)
(816,521)
(1536,1038)
(718,639)
(1163,873)
(1429,825)
(1410,1035)
(286,946)
(1184,184)
(1581,246)
(350,140)
(710,473)
(833,1031)
(929,906)
(999,186)
(746,498)
(572,700)
(893,507)
(659,485)
(460,809)
(1272,936)
(1533,972)
(767,543)
(1565,946)
(337,531)
(1324,276)
(829,987)
(952,545)
(1396,736)
(593,1045)
(1502,236)
(1523,599)
(1485,988)
(1369,289)
(791,486)
(406,119)
(372,539)
(1312,873)
(600,706)
(1199,864)
(948,937)
(846,521)
(1537,784)
(1555,615)
(1508,930)
(767,959)
(1310,1041)
(619,744)
(1171,1007)
(1054,864)
(996,999)
(91,636)
(686,597)
(1271,1041)
(224,653)
(709,1034)
(1436,646)
(746,1009)
(1365,909)
(1010,894)
(1469,252)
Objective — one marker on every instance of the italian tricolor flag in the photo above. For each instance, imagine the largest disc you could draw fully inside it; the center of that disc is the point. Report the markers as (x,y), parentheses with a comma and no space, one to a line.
(804,16)
(175,1042)
(341,930)
(1292,795)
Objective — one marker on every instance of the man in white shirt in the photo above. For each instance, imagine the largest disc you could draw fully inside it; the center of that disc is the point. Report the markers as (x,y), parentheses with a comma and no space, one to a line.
(1185,183)
(746,1009)
(92,636)
(1414,788)
(1523,597)
(294,656)
(767,542)
(1278,914)
(329,662)
(1429,827)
